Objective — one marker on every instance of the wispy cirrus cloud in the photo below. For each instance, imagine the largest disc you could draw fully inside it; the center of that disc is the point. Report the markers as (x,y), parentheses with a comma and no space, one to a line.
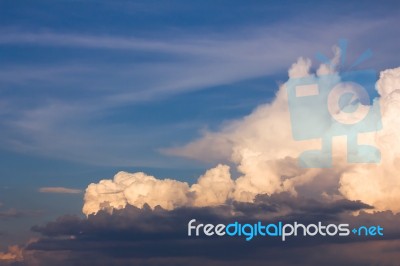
(56,100)
(15,213)
(61,190)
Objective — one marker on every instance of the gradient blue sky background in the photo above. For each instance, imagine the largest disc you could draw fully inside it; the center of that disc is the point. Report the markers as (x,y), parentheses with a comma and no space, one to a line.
(89,88)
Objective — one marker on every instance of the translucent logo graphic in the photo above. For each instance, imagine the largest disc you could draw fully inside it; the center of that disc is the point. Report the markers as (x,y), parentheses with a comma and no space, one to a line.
(335,104)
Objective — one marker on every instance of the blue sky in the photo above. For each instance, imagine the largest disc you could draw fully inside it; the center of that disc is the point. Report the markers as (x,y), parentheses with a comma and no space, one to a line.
(90,88)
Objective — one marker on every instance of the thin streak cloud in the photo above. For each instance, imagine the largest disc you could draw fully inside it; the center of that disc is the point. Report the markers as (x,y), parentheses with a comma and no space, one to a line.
(61,190)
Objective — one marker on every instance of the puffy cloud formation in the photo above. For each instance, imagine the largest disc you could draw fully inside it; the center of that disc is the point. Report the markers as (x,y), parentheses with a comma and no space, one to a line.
(138,189)
(379,185)
(262,147)
(213,188)
(135,189)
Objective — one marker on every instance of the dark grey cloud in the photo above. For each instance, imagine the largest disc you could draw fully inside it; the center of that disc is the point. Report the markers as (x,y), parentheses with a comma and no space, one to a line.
(159,237)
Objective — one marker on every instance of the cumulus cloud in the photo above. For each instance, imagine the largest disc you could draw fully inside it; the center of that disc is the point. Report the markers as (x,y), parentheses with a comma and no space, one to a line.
(379,185)
(262,148)
(213,188)
(135,189)
(60,190)
(261,145)
(138,189)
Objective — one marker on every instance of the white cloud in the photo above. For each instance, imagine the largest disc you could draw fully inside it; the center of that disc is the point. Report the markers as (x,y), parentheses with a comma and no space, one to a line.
(213,188)
(379,185)
(262,147)
(137,189)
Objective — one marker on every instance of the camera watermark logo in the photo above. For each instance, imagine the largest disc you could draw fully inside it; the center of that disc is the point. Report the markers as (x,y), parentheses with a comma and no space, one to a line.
(335,104)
